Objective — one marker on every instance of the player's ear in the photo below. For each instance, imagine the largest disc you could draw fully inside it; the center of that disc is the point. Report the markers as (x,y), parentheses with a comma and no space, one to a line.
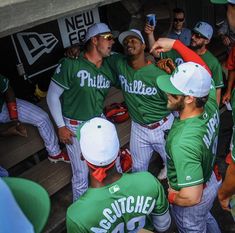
(189,99)
(94,40)
(143,46)
(207,41)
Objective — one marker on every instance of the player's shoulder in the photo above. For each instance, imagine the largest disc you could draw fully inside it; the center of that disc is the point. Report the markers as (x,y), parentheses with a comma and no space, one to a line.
(211,57)
(140,177)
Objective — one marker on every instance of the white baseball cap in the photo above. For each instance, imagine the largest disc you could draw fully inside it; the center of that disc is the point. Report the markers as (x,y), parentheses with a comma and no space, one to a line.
(96,29)
(223,1)
(188,79)
(131,32)
(204,29)
(99,141)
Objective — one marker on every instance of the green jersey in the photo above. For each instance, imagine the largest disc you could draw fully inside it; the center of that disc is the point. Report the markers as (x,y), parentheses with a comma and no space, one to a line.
(123,206)
(85,87)
(145,101)
(191,147)
(4,84)
(211,61)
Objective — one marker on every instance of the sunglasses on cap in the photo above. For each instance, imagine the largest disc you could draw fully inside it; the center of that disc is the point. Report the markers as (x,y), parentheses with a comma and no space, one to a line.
(198,35)
(107,36)
(178,19)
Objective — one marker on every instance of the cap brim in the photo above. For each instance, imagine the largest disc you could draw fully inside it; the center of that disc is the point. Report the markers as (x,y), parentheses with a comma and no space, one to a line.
(219,1)
(164,83)
(125,34)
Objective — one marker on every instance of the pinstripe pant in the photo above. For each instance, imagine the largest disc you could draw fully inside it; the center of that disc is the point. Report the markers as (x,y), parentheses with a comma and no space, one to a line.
(32,114)
(144,141)
(197,218)
(79,167)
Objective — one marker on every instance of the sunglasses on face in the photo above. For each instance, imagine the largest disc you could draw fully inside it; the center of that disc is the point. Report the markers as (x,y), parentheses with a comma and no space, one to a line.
(107,36)
(198,35)
(178,19)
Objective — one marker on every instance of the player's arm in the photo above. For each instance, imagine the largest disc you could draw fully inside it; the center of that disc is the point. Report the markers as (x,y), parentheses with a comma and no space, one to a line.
(10,99)
(218,95)
(160,215)
(228,187)
(53,101)
(231,78)
(148,29)
(187,196)
(162,222)
(166,44)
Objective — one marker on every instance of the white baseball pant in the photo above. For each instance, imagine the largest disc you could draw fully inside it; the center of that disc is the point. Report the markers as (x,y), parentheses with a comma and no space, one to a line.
(32,114)
(145,141)
(198,218)
(79,167)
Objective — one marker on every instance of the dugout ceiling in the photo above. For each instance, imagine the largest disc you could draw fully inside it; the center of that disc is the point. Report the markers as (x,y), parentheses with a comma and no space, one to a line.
(18,15)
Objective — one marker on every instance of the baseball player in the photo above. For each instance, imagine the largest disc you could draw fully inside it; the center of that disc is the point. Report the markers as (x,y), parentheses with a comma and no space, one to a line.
(82,85)
(19,111)
(115,202)
(12,218)
(191,143)
(145,101)
(201,35)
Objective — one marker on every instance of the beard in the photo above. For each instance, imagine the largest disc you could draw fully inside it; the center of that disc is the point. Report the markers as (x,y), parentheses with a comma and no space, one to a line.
(195,47)
(177,106)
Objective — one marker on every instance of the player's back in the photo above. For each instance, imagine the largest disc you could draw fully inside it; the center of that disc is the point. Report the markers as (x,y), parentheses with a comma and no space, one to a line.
(122,206)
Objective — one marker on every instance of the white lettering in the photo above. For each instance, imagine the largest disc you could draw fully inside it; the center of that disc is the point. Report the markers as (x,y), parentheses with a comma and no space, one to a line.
(98,81)
(137,87)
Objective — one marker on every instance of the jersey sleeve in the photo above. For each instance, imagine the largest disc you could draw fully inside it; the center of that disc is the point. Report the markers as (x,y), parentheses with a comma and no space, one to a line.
(65,73)
(4,84)
(189,55)
(73,227)
(161,204)
(188,165)
(217,75)
(230,64)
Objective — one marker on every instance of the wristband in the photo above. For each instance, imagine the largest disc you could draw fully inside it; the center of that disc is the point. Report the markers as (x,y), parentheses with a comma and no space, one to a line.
(171,197)
(12,109)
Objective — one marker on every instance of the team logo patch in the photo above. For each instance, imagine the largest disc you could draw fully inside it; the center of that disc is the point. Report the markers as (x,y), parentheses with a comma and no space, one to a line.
(114,189)
(205,116)
(188,178)
(58,69)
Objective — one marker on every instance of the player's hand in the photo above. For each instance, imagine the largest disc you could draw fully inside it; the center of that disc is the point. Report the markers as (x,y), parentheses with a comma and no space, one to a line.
(226,41)
(224,202)
(72,52)
(226,97)
(171,190)
(148,29)
(21,130)
(162,45)
(65,135)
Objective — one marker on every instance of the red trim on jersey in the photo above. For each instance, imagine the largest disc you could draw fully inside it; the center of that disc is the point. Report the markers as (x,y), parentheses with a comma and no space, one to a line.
(189,55)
